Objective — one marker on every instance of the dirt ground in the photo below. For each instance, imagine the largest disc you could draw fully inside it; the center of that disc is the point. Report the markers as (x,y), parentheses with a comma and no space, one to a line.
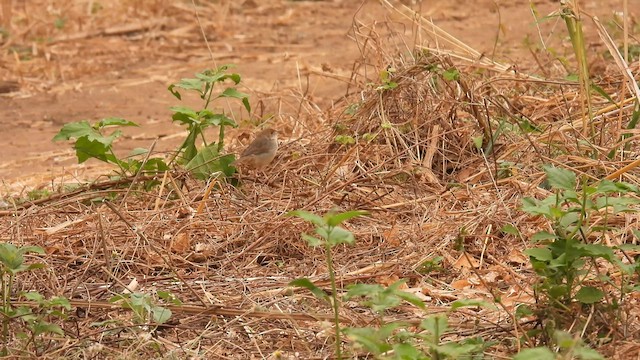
(84,71)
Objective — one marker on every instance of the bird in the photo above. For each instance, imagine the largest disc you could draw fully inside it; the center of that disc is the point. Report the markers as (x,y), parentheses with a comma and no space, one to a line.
(261,151)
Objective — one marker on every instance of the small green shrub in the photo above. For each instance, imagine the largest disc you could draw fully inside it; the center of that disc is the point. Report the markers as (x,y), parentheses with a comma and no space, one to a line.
(566,258)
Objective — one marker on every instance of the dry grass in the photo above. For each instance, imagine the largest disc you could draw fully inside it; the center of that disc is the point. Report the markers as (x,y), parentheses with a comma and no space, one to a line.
(230,254)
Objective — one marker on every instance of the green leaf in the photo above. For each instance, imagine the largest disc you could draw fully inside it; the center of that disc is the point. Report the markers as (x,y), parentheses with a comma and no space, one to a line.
(540,254)
(410,298)
(436,325)
(540,353)
(559,178)
(362,290)
(510,229)
(451,74)
(47,328)
(344,140)
(471,303)
(589,295)
(160,314)
(184,114)
(113,121)
(373,340)
(76,130)
(98,149)
(186,84)
(543,236)
(169,297)
(208,162)
(308,216)
(585,353)
(523,311)
(233,93)
(406,351)
(33,296)
(337,219)
(455,350)
(337,236)
(312,240)
(209,118)
(309,285)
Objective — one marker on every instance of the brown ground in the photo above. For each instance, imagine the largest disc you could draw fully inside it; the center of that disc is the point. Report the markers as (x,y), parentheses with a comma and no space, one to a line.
(271,42)
(241,250)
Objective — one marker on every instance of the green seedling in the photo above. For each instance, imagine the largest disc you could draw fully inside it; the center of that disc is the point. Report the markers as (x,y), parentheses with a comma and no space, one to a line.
(12,263)
(145,307)
(329,234)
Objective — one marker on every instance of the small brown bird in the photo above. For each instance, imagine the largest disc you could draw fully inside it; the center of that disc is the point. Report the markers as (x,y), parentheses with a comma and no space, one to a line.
(261,151)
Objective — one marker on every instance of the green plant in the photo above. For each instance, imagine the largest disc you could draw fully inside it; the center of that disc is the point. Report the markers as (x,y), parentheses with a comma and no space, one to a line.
(37,322)
(393,340)
(210,159)
(330,234)
(145,307)
(569,348)
(566,257)
(386,79)
(11,264)
(91,141)
(387,340)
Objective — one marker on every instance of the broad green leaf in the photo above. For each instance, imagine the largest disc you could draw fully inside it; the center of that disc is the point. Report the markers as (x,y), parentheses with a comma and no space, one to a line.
(559,178)
(542,236)
(312,240)
(337,219)
(186,84)
(410,298)
(471,303)
(436,325)
(233,93)
(10,256)
(454,350)
(451,74)
(209,118)
(60,301)
(337,236)
(76,130)
(184,114)
(169,297)
(372,340)
(308,216)
(541,254)
(406,351)
(540,353)
(46,328)
(309,285)
(589,295)
(362,290)
(33,296)
(160,314)
(208,162)
(510,229)
(113,121)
